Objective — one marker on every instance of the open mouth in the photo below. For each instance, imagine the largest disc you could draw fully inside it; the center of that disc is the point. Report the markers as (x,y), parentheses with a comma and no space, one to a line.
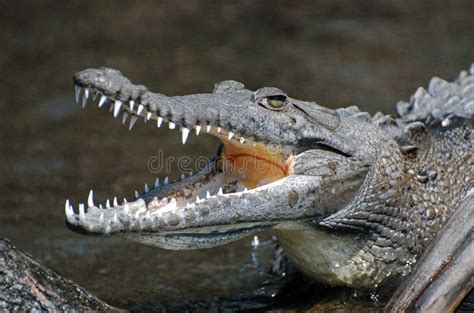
(242,165)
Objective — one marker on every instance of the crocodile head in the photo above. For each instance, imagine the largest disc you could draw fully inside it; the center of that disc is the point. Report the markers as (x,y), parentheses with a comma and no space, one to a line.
(281,159)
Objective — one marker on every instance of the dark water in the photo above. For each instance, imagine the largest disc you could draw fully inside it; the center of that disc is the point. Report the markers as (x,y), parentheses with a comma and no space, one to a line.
(338,53)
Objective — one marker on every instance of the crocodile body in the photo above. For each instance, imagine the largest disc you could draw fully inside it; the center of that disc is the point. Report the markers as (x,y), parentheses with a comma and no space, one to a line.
(354,199)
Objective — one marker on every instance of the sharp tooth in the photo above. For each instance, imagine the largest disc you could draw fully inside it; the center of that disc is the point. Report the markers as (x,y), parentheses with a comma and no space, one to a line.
(77,93)
(198,129)
(124,118)
(208,128)
(242,139)
(107,204)
(246,189)
(111,108)
(90,199)
(94,95)
(219,129)
(148,116)
(231,134)
(69,212)
(100,206)
(132,104)
(115,201)
(82,212)
(198,199)
(182,176)
(85,97)
(117,107)
(208,194)
(220,192)
(101,218)
(102,101)
(125,209)
(140,109)
(146,189)
(159,121)
(133,120)
(157,182)
(125,200)
(172,125)
(116,221)
(166,180)
(136,194)
(184,134)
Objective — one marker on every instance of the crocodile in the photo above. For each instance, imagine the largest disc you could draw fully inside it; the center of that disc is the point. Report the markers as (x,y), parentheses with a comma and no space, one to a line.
(353,198)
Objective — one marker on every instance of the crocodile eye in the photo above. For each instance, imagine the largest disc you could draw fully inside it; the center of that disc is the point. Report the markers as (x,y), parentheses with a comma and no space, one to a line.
(276,101)
(271,98)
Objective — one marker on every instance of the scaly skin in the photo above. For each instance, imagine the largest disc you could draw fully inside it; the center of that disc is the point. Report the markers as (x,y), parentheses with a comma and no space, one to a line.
(354,199)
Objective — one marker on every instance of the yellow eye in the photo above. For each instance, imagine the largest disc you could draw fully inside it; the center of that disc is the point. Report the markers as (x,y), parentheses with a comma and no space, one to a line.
(276,103)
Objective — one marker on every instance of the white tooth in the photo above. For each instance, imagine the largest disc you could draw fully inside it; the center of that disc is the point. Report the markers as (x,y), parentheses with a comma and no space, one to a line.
(69,212)
(107,229)
(116,221)
(208,128)
(159,121)
(191,173)
(125,200)
(100,206)
(166,180)
(220,192)
(147,215)
(107,204)
(148,116)
(198,129)
(124,118)
(184,134)
(172,125)
(136,194)
(77,94)
(94,95)
(117,107)
(242,139)
(219,129)
(182,176)
(140,109)
(173,200)
(85,97)
(208,194)
(115,201)
(111,108)
(146,189)
(102,101)
(82,213)
(132,104)
(245,189)
(198,199)
(101,218)
(231,134)
(157,182)
(90,199)
(133,120)
(125,209)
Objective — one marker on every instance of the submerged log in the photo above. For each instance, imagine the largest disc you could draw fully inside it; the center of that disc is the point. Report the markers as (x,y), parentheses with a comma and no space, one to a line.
(28,285)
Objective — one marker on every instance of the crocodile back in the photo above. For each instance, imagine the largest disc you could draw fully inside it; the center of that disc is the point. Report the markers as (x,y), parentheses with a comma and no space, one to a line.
(441,101)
